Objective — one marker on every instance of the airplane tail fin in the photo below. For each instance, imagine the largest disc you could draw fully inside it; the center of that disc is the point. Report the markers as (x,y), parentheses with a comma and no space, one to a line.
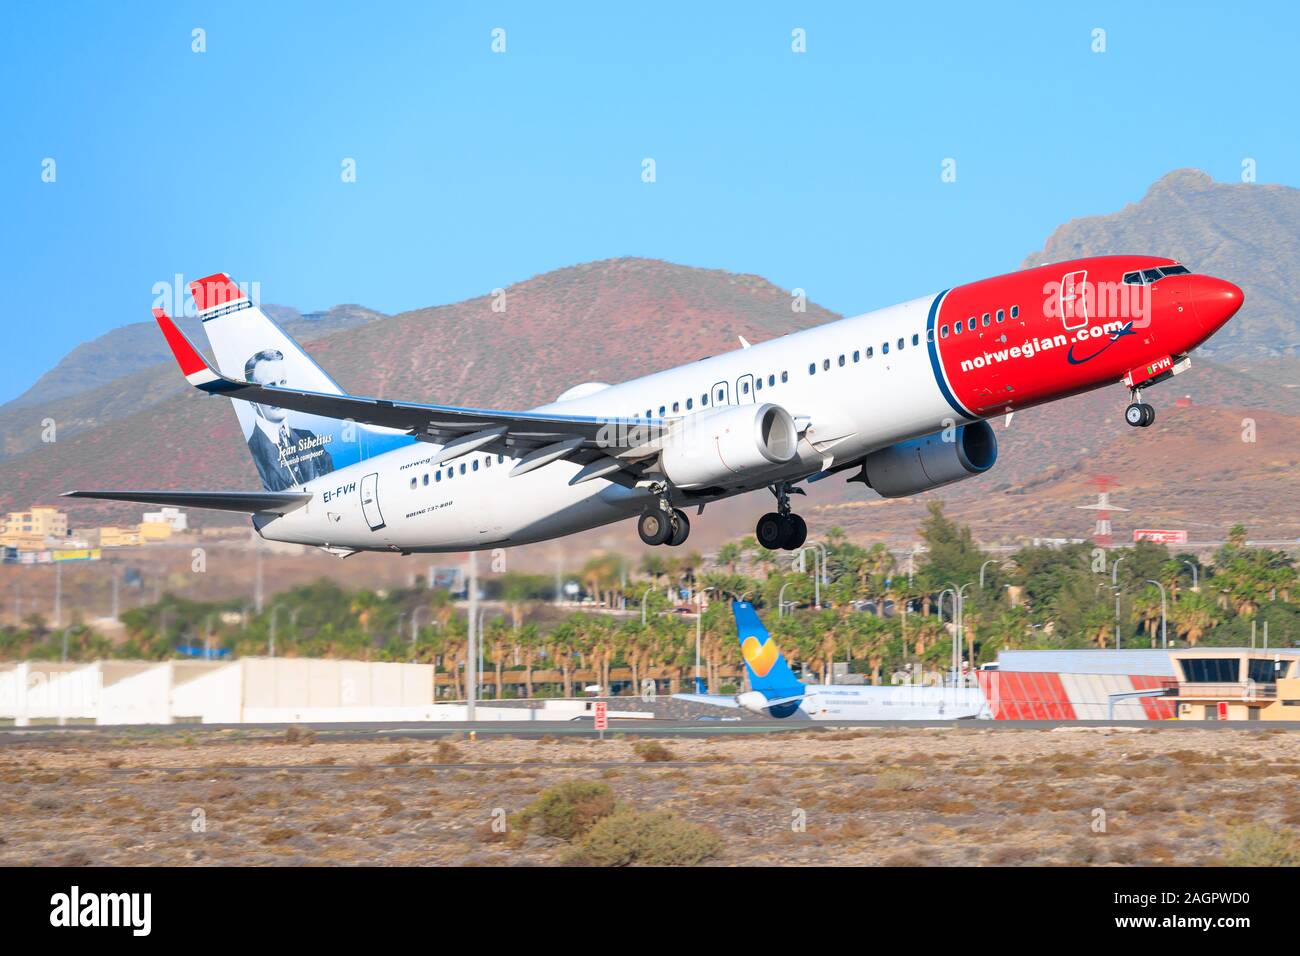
(767,667)
(288,448)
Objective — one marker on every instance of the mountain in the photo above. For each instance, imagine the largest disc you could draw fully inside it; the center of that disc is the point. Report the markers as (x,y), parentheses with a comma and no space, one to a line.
(1249,233)
(603,321)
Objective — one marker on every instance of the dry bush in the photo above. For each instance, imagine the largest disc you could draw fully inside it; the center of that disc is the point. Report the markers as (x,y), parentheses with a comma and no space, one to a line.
(652,751)
(399,757)
(295,734)
(657,838)
(567,810)
(897,778)
(446,752)
(1257,844)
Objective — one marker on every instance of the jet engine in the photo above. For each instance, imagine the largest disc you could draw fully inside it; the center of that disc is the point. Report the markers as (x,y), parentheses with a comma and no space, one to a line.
(756,702)
(920,464)
(723,446)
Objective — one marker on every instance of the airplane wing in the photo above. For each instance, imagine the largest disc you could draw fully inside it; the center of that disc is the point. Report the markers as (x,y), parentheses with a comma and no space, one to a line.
(246,502)
(606,446)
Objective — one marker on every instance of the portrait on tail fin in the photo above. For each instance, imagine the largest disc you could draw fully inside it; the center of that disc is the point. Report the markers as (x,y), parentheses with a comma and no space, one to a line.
(285,456)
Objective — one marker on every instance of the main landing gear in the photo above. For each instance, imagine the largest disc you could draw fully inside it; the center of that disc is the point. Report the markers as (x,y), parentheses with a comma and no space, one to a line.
(1139,414)
(664,524)
(781,528)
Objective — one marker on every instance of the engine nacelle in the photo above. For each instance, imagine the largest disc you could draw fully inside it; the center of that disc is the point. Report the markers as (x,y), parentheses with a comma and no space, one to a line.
(722,445)
(920,464)
(756,702)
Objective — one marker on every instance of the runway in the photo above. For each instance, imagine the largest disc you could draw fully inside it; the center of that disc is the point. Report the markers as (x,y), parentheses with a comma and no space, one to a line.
(625,728)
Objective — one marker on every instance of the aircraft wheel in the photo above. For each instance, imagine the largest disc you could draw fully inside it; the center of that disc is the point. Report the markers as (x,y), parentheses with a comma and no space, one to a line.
(1135,415)
(681,529)
(654,526)
(1149,415)
(770,530)
(794,534)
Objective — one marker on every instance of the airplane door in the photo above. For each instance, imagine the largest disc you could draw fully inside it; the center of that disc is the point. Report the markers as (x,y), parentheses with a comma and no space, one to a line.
(719,394)
(370,501)
(745,390)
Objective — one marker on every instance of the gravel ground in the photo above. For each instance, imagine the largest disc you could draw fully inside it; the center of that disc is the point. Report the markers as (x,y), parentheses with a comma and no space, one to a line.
(938,796)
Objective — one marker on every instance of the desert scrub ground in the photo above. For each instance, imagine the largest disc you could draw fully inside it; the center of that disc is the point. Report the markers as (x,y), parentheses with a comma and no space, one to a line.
(917,796)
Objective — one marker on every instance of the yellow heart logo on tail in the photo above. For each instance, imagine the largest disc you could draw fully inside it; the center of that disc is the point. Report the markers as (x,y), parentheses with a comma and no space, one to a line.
(760,657)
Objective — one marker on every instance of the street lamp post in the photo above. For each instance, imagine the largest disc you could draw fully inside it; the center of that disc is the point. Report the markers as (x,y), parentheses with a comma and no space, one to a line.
(699,632)
(982,567)
(1164,617)
(780,600)
(275,614)
(1196,577)
(645,595)
(471,649)
(961,629)
(1114,583)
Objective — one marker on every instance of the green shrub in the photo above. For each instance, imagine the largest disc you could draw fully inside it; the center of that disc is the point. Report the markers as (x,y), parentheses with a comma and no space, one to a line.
(566,810)
(657,838)
(1258,844)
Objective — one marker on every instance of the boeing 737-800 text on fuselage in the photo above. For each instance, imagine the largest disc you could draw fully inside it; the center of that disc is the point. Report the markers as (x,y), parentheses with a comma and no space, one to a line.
(900,396)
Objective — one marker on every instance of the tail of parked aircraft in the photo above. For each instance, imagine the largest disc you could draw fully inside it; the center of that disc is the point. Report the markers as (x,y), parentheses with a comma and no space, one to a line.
(769,674)
(288,448)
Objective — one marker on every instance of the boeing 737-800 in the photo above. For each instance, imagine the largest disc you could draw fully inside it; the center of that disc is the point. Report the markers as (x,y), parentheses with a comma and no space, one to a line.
(900,396)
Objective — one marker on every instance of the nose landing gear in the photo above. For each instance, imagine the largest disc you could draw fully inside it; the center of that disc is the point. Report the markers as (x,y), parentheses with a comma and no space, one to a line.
(1139,414)
(781,528)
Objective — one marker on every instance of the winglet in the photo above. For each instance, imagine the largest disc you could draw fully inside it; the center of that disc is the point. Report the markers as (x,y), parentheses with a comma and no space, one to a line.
(193,365)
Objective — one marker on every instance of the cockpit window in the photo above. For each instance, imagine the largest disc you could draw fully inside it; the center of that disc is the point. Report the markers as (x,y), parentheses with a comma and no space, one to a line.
(1148,276)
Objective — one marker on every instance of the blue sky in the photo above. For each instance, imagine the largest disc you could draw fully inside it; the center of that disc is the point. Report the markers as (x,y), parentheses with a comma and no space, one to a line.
(818,170)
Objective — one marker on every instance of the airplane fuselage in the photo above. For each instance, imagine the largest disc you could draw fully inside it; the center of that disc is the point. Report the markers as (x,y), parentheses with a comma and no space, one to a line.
(858,384)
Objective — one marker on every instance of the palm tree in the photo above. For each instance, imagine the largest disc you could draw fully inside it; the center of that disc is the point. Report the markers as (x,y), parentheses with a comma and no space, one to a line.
(1193,617)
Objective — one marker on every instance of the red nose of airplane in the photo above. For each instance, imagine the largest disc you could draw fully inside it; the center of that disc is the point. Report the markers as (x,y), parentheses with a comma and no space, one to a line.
(1215,300)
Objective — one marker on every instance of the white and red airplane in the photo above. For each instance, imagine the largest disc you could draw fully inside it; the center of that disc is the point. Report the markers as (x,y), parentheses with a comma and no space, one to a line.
(900,395)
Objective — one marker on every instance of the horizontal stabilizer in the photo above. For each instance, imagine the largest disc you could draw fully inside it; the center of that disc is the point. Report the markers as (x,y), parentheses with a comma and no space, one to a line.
(246,502)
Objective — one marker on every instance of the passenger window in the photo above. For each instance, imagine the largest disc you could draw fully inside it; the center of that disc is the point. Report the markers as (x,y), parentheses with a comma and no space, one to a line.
(426,479)
(856,355)
(500,459)
(437,476)
(649,413)
(412,482)
(704,399)
(758,383)
(812,368)
(1015,311)
(900,343)
(971,324)
(943,332)
(956,328)
(677,407)
(476,464)
(870,351)
(1002,314)
(451,472)
(916,338)
(826,365)
(462,468)
(929,334)
(841,361)
(722,395)
(884,349)
(690,403)
(771,381)
(785,377)
(487,462)
(663,410)
(744,388)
